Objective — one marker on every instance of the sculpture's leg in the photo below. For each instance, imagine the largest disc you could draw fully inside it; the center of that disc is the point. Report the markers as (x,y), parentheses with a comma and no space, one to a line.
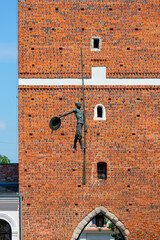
(78,136)
(75,142)
(80,141)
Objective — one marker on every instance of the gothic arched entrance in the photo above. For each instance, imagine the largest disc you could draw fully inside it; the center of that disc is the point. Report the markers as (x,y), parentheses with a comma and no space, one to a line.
(120,226)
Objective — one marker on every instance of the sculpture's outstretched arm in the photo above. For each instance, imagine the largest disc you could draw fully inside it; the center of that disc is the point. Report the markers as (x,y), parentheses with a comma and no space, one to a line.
(72,111)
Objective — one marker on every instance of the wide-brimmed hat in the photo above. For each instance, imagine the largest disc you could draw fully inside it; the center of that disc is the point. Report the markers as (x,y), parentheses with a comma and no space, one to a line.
(55,123)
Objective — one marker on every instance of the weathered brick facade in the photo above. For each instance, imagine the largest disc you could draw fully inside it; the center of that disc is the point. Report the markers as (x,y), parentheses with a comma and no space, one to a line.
(50,172)
(51,33)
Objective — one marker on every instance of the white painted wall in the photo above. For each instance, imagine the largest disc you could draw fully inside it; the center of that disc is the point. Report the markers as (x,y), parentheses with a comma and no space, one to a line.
(95,236)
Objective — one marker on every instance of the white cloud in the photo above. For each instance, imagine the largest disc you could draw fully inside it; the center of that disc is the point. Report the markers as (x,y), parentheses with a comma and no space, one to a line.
(8,51)
(3,125)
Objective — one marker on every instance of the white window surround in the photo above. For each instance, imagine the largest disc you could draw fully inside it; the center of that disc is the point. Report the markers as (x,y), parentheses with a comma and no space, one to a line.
(92,44)
(12,223)
(103,112)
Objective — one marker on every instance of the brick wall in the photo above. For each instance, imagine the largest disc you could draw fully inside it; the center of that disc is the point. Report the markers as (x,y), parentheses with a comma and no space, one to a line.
(54,199)
(52,32)
(50,36)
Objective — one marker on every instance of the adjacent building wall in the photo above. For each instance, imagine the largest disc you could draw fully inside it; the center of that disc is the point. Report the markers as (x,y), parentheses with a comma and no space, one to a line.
(9,197)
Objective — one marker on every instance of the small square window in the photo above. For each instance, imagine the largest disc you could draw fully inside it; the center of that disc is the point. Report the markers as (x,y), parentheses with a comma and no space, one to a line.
(96,44)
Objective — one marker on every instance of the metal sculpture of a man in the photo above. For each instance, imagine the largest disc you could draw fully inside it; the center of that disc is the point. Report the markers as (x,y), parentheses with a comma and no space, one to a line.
(80,121)
(56,122)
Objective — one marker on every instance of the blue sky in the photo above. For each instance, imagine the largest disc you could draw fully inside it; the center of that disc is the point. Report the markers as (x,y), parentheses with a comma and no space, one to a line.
(8,80)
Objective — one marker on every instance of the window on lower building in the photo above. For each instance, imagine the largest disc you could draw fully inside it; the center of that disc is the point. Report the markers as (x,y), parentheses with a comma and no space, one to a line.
(5,230)
(102,170)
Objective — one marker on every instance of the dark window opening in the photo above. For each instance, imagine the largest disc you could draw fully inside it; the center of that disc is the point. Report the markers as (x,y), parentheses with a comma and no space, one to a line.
(102,170)
(5,230)
(96,43)
(99,112)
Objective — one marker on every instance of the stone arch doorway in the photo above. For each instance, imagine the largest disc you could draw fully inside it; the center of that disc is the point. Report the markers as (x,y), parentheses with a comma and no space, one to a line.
(13,226)
(120,226)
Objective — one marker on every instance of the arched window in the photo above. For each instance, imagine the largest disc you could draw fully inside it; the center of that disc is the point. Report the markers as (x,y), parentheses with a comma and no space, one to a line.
(102,170)
(99,112)
(5,230)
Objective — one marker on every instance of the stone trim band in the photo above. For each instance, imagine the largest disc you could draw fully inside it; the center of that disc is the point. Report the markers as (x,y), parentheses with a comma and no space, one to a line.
(91,82)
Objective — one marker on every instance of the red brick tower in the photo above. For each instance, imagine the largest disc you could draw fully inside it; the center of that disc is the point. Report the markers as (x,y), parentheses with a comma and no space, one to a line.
(121,55)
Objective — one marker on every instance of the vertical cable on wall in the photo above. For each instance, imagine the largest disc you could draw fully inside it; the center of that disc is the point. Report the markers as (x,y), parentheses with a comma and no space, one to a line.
(84,123)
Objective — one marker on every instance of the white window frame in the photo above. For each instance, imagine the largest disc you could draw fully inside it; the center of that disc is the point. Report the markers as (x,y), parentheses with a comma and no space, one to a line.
(12,223)
(103,112)
(92,44)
